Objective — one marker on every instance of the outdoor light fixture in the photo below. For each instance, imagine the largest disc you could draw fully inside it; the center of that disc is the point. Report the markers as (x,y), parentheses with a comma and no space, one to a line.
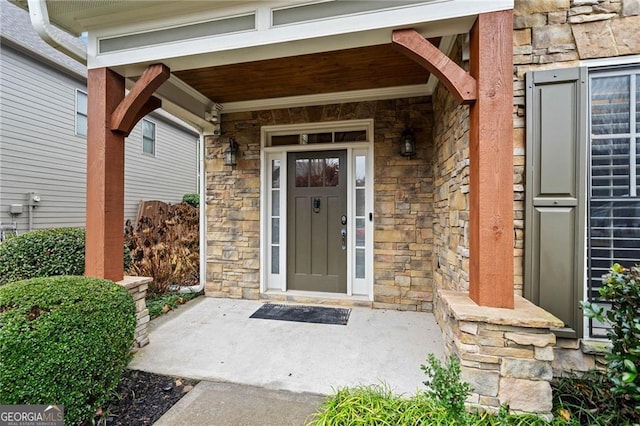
(231,153)
(407,143)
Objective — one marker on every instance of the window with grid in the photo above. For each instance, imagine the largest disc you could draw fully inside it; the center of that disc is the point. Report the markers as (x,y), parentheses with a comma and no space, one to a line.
(148,137)
(613,202)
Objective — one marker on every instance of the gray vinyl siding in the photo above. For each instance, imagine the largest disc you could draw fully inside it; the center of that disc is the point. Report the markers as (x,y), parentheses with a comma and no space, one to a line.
(168,175)
(40,152)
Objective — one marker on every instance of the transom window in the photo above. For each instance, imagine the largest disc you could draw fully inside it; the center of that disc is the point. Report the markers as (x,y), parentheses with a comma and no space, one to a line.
(323,137)
(613,202)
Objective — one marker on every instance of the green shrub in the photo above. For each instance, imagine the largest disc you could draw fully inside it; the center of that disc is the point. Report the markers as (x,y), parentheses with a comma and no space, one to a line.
(621,290)
(64,340)
(45,253)
(444,385)
(377,405)
(193,199)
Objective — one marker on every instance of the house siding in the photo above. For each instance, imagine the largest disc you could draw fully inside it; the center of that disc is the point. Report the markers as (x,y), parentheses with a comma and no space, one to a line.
(168,175)
(40,152)
(403,234)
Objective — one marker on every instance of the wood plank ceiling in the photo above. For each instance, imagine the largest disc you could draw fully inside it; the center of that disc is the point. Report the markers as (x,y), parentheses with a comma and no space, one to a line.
(361,68)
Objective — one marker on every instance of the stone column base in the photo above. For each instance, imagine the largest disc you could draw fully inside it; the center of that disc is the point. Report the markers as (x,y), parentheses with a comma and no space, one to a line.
(137,287)
(506,355)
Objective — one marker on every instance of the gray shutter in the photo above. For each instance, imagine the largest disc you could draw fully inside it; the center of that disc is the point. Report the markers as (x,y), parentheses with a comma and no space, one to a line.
(556,193)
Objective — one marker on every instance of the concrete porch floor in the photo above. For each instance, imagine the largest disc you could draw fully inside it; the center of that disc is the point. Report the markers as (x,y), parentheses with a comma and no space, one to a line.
(214,339)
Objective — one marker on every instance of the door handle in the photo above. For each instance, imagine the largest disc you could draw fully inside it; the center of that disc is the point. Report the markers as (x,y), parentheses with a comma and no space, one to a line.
(343,234)
(316,205)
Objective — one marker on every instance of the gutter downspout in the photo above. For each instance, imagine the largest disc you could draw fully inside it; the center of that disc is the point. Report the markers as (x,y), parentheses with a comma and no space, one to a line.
(40,21)
(203,221)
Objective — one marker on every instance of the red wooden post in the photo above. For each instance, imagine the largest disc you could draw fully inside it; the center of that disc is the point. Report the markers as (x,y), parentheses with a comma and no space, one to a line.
(491,161)
(105,178)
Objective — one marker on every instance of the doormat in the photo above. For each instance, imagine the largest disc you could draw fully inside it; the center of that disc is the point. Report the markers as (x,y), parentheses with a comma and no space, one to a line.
(314,314)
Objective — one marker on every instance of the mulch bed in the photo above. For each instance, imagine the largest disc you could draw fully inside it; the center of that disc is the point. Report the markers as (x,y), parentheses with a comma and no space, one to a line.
(142,398)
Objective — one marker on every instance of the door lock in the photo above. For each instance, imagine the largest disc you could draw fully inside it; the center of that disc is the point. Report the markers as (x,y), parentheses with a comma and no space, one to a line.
(343,234)
(316,205)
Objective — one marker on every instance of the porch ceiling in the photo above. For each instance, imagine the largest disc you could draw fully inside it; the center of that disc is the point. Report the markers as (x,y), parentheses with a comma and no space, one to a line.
(363,68)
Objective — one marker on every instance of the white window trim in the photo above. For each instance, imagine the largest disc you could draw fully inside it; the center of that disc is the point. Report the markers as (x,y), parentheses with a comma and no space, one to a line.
(75,117)
(155,138)
(267,154)
(602,67)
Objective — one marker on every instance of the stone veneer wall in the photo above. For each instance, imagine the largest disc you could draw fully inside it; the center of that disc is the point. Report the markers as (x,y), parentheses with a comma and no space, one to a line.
(451,187)
(553,34)
(403,201)
(506,355)
(137,288)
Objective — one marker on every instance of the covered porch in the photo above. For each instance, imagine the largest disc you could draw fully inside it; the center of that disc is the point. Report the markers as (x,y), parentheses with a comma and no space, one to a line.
(214,339)
(446,220)
(285,85)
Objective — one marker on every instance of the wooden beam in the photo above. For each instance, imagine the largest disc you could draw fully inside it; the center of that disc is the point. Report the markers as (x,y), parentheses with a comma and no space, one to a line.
(152,104)
(105,178)
(412,44)
(491,161)
(127,114)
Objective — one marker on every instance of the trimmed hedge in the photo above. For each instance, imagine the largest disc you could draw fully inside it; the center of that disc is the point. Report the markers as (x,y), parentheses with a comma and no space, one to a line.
(64,340)
(45,253)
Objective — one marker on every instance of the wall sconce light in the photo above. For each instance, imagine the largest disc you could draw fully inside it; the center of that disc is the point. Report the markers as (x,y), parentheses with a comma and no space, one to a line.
(231,153)
(407,143)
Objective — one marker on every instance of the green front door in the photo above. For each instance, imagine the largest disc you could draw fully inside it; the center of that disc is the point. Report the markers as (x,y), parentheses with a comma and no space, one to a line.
(317,221)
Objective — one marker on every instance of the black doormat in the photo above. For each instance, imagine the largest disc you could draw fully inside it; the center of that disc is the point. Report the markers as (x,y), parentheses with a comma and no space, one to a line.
(315,314)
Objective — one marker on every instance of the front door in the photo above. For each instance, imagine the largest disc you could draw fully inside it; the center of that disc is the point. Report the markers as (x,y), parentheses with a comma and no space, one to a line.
(317,221)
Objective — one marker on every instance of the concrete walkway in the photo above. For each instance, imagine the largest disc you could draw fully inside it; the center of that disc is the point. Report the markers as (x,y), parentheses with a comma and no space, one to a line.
(221,404)
(216,341)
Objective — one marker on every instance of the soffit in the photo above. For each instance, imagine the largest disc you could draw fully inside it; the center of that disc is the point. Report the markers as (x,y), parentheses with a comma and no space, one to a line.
(371,67)
(76,16)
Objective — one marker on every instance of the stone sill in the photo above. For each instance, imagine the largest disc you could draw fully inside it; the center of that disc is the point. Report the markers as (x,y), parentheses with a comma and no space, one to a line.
(130,282)
(596,347)
(524,313)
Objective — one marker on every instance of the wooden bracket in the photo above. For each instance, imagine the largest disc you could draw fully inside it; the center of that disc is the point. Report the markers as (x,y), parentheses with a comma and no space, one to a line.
(139,101)
(413,45)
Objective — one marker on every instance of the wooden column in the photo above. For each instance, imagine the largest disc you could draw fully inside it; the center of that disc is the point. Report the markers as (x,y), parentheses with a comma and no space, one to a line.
(112,116)
(105,178)
(491,157)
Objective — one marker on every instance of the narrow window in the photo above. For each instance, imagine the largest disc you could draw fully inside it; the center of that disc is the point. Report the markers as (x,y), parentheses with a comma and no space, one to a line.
(148,137)
(360,213)
(81,113)
(275,216)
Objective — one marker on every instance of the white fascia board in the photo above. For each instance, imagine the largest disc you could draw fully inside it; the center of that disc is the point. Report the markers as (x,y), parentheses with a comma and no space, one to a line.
(128,67)
(328,98)
(607,62)
(432,19)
